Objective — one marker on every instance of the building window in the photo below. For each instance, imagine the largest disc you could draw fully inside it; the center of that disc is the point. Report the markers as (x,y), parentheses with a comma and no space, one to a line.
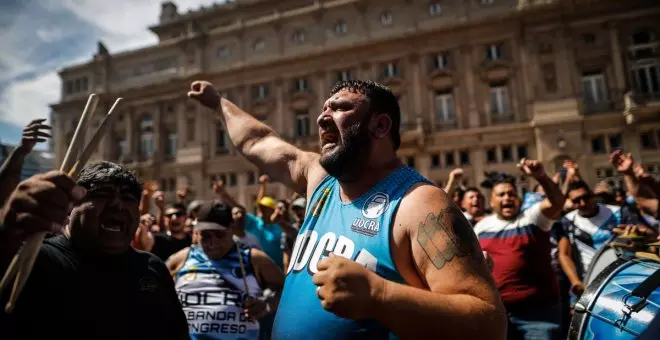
(410,161)
(593,89)
(122,149)
(221,139)
(302,124)
(444,107)
(522,151)
(435,9)
(260,92)
(298,36)
(232,179)
(146,136)
(450,160)
(507,154)
(549,77)
(646,78)
(491,155)
(69,87)
(391,70)
(616,142)
(499,99)
(170,150)
(85,85)
(589,38)
(190,129)
(647,140)
(644,45)
(435,161)
(598,145)
(251,178)
(487,2)
(341,27)
(494,52)
(344,75)
(258,45)
(386,18)
(441,61)
(76,86)
(464,157)
(222,52)
(300,85)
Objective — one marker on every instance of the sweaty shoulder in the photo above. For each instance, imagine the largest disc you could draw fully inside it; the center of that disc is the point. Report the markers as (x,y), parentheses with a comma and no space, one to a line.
(315,172)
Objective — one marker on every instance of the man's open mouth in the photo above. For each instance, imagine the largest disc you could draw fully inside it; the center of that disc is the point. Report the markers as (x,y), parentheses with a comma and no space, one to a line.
(112,224)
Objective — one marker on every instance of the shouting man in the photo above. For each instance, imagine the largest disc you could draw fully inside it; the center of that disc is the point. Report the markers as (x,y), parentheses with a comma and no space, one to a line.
(88,283)
(381,250)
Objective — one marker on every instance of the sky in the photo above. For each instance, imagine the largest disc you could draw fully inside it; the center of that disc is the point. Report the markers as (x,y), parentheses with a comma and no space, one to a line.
(40,37)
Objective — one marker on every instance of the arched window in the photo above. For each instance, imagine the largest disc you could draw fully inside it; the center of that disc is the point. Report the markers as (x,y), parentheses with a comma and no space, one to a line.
(146,135)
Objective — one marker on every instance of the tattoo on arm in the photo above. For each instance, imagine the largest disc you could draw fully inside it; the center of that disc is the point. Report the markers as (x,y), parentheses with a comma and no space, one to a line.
(445,235)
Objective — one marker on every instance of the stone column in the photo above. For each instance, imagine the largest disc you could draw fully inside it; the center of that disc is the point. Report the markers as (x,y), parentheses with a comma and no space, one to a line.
(181,125)
(281,112)
(158,134)
(470,101)
(478,161)
(131,134)
(617,60)
(417,87)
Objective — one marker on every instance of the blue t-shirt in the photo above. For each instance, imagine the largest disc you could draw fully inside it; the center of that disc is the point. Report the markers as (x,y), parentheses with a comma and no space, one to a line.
(358,230)
(269,236)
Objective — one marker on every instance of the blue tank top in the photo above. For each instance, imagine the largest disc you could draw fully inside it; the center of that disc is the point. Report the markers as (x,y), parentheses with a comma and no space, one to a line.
(360,231)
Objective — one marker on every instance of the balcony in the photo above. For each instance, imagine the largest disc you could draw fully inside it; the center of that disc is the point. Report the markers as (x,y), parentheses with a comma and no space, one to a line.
(501,117)
(189,155)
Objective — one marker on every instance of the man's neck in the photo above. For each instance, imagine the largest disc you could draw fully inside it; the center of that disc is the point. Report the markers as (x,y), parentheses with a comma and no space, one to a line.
(590,214)
(179,235)
(369,176)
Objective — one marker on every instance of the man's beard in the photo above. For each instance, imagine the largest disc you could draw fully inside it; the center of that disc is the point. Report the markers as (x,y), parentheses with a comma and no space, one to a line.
(349,155)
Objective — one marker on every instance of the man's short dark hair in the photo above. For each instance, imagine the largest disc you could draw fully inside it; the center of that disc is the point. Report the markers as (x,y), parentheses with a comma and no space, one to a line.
(98,174)
(468,189)
(577,186)
(494,178)
(381,100)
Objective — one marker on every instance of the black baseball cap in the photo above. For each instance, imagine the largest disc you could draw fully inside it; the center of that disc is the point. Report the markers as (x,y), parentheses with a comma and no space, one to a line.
(213,215)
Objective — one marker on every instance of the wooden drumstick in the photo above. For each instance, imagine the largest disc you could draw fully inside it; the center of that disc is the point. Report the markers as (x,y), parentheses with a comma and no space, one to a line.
(28,254)
(79,135)
(243,272)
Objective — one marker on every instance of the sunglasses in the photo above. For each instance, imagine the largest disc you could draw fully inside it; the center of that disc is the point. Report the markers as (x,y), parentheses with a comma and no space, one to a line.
(584,197)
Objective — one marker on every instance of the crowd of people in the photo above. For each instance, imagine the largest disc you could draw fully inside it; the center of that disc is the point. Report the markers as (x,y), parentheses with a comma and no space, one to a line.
(369,247)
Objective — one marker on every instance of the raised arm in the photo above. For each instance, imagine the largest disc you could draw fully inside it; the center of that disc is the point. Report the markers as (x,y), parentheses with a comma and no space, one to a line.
(454,179)
(260,144)
(552,206)
(449,288)
(636,181)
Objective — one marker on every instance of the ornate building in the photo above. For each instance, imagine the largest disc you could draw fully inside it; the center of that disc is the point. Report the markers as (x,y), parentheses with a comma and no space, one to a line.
(481,83)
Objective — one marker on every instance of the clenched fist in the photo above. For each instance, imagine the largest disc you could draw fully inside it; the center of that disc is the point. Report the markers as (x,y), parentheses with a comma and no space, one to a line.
(346,288)
(622,162)
(203,92)
(41,204)
(532,168)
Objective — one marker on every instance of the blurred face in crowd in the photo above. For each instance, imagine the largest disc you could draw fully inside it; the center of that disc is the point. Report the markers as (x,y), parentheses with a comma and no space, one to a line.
(266,211)
(344,134)
(238,215)
(299,212)
(107,218)
(620,197)
(457,198)
(473,203)
(505,201)
(584,201)
(282,209)
(176,221)
(216,243)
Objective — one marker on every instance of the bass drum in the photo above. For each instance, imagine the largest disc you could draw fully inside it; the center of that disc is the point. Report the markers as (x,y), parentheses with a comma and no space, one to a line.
(604,257)
(620,302)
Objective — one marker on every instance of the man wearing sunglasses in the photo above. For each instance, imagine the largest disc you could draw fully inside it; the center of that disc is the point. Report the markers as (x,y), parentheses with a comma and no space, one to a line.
(175,238)
(589,227)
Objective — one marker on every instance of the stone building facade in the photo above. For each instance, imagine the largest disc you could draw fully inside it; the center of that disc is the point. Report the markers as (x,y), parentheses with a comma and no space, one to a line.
(481,83)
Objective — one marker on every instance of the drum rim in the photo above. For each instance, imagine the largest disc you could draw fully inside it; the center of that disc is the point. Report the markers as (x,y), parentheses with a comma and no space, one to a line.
(577,325)
(587,300)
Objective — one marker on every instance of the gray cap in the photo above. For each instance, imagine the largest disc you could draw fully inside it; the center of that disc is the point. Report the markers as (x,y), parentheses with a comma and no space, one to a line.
(194,205)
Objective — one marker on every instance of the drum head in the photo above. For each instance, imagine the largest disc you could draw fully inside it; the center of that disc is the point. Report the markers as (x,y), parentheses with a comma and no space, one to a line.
(603,258)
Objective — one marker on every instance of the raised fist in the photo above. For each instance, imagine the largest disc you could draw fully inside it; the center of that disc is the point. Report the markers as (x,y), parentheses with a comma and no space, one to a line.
(33,133)
(456,174)
(203,92)
(532,168)
(159,199)
(219,186)
(263,179)
(41,203)
(623,163)
(150,188)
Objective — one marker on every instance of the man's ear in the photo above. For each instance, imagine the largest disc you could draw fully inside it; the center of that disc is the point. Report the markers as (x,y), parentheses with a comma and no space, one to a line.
(381,125)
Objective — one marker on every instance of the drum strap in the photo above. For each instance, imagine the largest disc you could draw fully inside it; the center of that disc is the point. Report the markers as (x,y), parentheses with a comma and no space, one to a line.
(647,286)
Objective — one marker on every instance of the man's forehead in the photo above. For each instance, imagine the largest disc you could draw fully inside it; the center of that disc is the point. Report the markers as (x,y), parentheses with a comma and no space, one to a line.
(345,94)
(112,186)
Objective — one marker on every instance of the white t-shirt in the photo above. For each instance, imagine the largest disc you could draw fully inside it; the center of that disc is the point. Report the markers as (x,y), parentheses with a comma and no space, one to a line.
(248,240)
(529,217)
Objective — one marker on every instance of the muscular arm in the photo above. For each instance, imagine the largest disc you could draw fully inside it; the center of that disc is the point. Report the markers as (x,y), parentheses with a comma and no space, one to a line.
(269,275)
(271,154)
(176,260)
(552,206)
(450,288)
(566,262)
(10,173)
